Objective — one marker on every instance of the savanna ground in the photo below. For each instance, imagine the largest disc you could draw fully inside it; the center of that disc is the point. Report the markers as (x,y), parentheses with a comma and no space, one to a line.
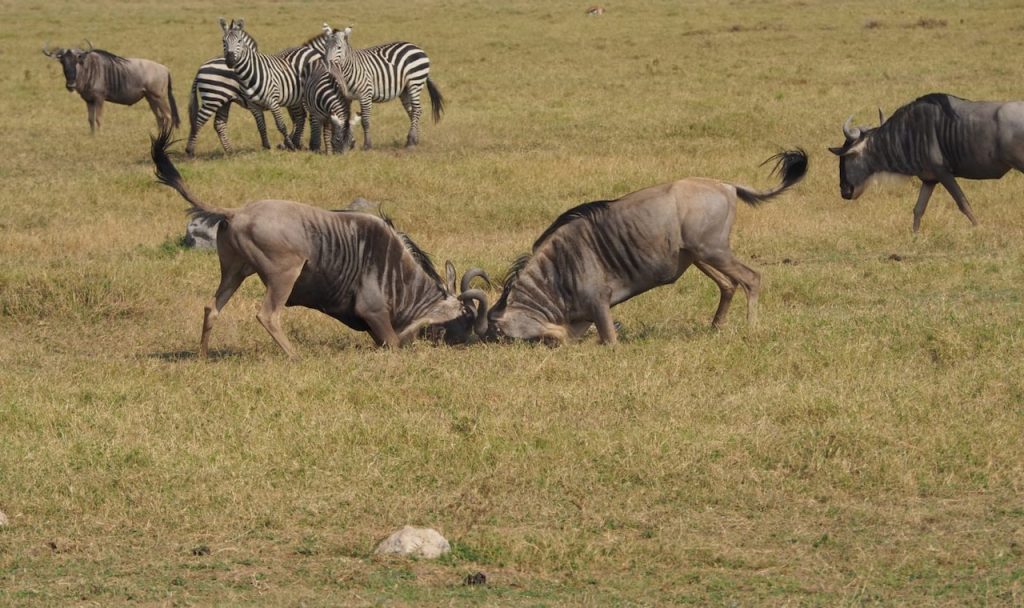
(862,445)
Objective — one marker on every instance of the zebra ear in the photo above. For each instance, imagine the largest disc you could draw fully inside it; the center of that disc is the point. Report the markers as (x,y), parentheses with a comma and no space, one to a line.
(348,32)
(240,24)
(327,29)
(223,24)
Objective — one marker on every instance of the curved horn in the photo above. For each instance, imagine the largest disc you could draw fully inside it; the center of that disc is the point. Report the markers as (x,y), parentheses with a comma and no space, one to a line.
(471,274)
(480,323)
(90,45)
(46,50)
(848,131)
(881,117)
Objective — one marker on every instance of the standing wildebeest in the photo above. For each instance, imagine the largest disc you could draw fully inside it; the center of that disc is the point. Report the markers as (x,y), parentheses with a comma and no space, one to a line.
(99,76)
(937,138)
(599,254)
(350,265)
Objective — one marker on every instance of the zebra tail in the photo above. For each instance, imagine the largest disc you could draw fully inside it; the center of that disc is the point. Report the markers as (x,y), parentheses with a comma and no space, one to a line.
(174,105)
(167,174)
(790,165)
(436,99)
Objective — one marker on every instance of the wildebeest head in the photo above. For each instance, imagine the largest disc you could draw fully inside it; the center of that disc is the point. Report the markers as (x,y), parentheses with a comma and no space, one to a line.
(69,61)
(236,40)
(512,320)
(472,314)
(854,165)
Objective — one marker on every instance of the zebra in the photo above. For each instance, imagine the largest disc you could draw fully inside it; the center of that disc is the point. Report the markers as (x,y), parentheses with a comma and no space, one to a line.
(269,81)
(327,98)
(216,86)
(386,71)
(214,89)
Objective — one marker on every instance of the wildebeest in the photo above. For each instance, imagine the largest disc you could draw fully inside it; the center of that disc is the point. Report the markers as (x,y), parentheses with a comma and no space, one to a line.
(599,254)
(937,138)
(99,76)
(353,266)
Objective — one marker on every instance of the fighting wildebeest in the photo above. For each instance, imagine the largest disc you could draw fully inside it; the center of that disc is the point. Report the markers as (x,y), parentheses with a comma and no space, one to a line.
(937,138)
(353,266)
(599,254)
(98,76)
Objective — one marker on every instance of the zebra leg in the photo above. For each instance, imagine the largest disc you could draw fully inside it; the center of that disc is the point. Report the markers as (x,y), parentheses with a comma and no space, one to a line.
(411,103)
(298,116)
(364,117)
(282,127)
(220,125)
(198,120)
(261,124)
(315,132)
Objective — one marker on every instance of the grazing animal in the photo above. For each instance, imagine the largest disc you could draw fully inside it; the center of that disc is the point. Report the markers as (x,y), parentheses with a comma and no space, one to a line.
(595,11)
(99,76)
(216,87)
(270,82)
(350,265)
(383,72)
(599,254)
(327,99)
(937,138)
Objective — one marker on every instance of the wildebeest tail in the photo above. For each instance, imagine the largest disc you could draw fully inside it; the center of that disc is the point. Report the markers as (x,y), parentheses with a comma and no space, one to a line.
(436,99)
(174,105)
(790,165)
(167,174)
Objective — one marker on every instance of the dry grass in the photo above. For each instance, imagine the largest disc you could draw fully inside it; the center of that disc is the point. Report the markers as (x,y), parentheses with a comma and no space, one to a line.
(861,446)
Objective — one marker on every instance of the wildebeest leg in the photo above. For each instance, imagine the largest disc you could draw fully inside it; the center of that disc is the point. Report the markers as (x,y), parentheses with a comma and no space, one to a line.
(746,277)
(162,111)
(280,281)
(922,203)
(232,273)
(371,308)
(282,127)
(411,103)
(95,109)
(726,286)
(958,195)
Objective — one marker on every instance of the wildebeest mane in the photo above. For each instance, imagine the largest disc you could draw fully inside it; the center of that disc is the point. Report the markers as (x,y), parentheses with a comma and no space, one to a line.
(586,210)
(511,276)
(938,99)
(107,55)
(422,257)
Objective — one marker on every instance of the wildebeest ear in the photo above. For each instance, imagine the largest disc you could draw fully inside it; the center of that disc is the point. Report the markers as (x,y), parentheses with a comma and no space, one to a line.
(836,151)
(449,276)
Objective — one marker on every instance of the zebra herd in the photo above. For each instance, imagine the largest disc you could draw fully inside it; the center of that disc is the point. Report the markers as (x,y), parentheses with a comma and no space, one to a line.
(319,78)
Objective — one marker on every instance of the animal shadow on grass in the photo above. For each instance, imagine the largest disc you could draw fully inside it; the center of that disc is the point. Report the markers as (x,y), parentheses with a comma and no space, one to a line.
(188,355)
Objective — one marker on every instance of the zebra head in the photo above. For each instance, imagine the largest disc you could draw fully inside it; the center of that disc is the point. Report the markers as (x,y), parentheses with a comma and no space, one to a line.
(237,42)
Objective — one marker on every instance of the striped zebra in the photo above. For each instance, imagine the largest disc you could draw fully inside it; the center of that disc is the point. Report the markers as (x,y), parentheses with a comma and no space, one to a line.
(214,89)
(270,82)
(327,99)
(386,71)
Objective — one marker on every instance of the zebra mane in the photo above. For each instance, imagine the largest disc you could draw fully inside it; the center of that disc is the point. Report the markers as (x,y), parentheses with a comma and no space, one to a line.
(586,210)
(318,42)
(421,257)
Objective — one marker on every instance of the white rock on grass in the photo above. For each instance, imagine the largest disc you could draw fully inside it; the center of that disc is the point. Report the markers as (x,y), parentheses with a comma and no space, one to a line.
(415,542)
(201,233)
(3,520)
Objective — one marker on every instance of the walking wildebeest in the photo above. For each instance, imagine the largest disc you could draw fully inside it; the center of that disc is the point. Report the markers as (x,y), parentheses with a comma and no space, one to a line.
(937,138)
(350,265)
(599,254)
(99,76)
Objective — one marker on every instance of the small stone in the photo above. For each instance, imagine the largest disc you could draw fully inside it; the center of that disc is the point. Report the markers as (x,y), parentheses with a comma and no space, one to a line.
(896,257)
(477,578)
(415,542)
(201,550)
(3,520)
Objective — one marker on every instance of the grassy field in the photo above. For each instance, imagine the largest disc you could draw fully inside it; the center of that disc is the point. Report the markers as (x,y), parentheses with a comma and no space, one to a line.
(861,445)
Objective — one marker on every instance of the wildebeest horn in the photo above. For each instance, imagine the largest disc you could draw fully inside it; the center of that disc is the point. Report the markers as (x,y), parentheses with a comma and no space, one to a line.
(480,322)
(90,45)
(46,50)
(848,131)
(881,117)
(471,274)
